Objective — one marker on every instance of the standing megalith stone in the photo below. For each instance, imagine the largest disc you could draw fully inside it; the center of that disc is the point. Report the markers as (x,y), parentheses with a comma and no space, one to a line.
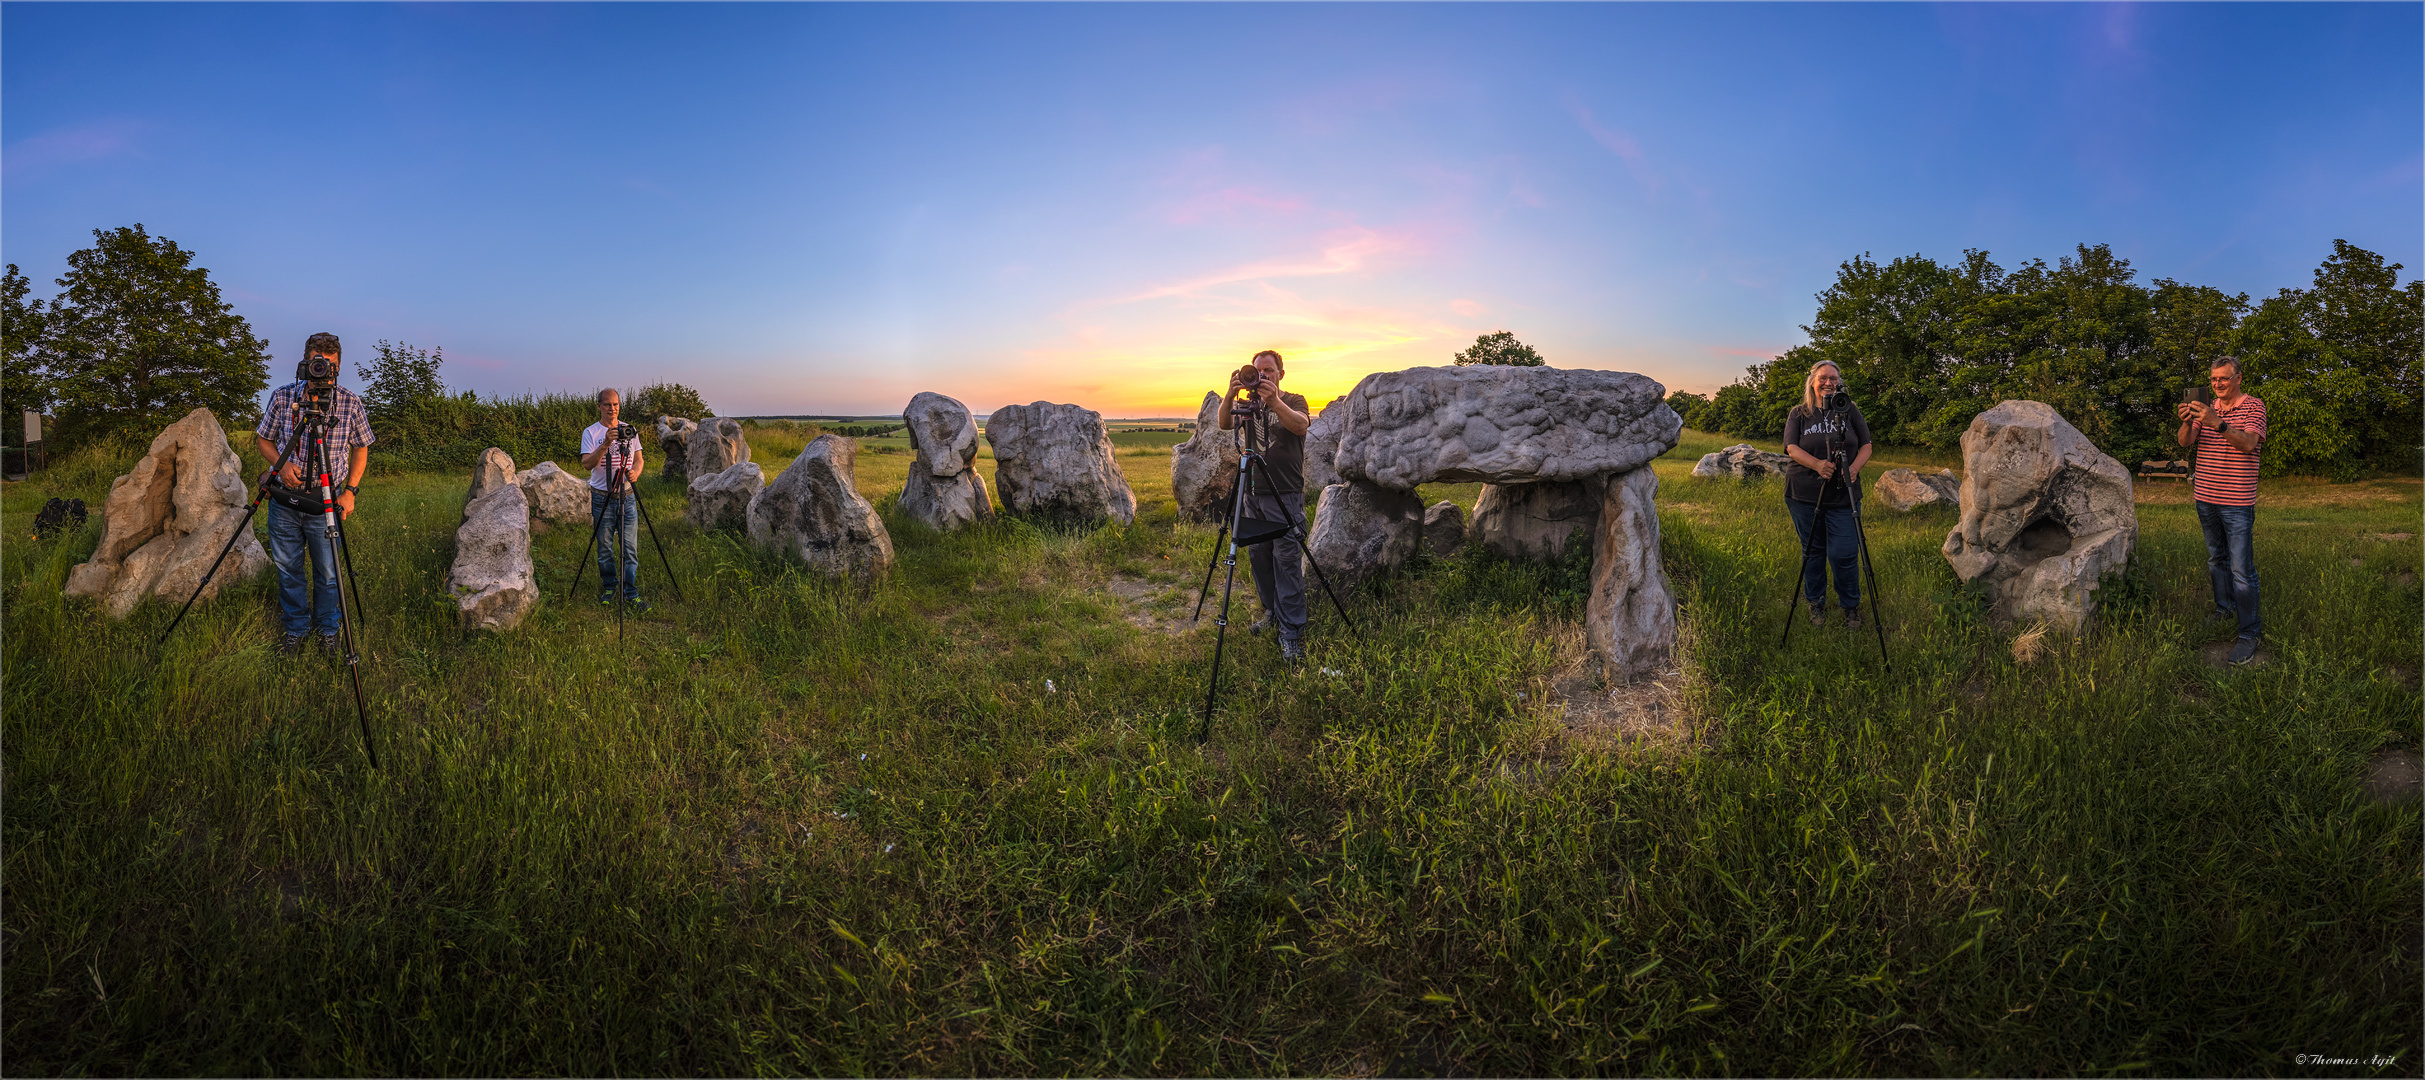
(1322,454)
(166,521)
(1364,530)
(556,497)
(1742,461)
(2045,515)
(1056,461)
(814,512)
(714,446)
(1630,616)
(721,500)
(1204,469)
(944,489)
(1443,528)
(1536,521)
(494,470)
(492,582)
(673,444)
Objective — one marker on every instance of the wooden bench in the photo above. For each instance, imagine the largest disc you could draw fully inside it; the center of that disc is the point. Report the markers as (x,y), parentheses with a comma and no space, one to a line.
(2166,470)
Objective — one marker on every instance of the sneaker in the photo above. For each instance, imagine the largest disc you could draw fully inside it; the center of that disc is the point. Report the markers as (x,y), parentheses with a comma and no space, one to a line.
(2243,651)
(1852,618)
(329,645)
(1818,613)
(638,605)
(288,644)
(1292,650)
(607,598)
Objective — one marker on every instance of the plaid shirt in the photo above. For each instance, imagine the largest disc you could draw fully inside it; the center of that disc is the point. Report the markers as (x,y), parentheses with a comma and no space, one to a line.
(348,426)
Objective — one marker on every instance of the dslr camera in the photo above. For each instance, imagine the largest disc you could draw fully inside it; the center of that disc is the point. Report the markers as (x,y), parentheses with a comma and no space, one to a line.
(316,368)
(623,432)
(1251,375)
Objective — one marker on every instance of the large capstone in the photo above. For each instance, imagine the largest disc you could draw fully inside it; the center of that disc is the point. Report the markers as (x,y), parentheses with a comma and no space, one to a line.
(1537,521)
(1056,461)
(556,497)
(1742,461)
(1630,617)
(1500,424)
(1204,469)
(1363,531)
(2045,515)
(673,445)
(494,470)
(716,445)
(492,583)
(168,519)
(814,512)
(944,490)
(1905,490)
(721,500)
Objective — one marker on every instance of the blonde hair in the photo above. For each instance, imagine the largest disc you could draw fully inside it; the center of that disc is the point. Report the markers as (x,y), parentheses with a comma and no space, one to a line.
(1810,387)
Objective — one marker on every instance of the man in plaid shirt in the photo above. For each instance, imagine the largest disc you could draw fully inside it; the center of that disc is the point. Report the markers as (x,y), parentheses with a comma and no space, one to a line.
(293,531)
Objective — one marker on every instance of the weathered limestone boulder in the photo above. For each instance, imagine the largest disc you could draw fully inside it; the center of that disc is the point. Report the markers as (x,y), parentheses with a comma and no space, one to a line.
(814,511)
(721,500)
(1742,461)
(1500,424)
(715,445)
(555,496)
(167,520)
(1630,617)
(1443,528)
(673,445)
(492,582)
(945,490)
(1322,453)
(494,470)
(2045,515)
(1204,469)
(1056,461)
(1364,530)
(1536,521)
(1905,490)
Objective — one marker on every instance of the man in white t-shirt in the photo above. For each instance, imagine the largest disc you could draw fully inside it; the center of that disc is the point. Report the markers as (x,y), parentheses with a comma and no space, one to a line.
(613,464)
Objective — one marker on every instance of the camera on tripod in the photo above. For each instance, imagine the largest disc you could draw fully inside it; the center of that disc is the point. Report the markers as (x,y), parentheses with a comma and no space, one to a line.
(1248,378)
(622,432)
(317,368)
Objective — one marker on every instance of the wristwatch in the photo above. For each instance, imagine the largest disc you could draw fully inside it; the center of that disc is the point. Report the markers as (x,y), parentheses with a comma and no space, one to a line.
(2222,426)
(352,490)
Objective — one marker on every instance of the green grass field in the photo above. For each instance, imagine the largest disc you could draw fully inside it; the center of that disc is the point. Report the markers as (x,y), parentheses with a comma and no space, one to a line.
(959,822)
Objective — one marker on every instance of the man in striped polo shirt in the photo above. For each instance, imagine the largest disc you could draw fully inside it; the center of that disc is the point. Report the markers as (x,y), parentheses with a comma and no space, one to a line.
(2228,434)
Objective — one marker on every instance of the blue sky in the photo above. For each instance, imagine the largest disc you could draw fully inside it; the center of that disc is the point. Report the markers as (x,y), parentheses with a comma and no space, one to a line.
(828,208)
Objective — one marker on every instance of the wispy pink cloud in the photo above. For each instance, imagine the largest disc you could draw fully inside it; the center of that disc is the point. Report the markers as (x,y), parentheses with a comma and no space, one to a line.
(69,146)
(1619,143)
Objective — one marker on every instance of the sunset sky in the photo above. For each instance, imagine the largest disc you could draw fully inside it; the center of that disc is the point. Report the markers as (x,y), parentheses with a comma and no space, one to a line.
(829,208)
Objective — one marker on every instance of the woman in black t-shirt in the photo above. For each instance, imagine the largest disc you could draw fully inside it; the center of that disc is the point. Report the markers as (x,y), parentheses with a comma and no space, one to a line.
(1814,435)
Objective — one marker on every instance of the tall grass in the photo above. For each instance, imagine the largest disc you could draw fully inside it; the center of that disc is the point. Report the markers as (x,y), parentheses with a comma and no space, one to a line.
(957,822)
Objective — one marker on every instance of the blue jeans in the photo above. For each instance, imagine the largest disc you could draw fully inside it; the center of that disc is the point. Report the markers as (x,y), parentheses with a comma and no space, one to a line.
(1839,546)
(624,526)
(2231,562)
(304,605)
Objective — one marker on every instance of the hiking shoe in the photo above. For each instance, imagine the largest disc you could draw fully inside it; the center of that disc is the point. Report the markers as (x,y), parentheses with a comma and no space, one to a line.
(1818,613)
(1292,650)
(607,598)
(638,605)
(288,644)
(1852,618)
(2243,651)
(329,645)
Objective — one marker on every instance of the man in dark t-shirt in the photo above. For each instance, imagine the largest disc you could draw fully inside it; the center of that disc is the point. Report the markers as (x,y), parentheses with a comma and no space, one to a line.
(1276,427)
(1814,435)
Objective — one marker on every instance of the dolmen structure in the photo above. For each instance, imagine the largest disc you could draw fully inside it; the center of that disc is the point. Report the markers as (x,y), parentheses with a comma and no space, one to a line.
(1561,452)
(2045,516)
(1056,461)
(166,521)
(944,489)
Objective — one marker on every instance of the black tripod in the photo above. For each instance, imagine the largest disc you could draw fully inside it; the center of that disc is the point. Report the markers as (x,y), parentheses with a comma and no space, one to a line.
(618,489)
(1238,529)
(1813,541)
(311,429)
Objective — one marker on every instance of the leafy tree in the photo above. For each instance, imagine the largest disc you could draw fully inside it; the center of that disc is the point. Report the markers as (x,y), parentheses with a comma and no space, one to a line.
(665,399)
(22,385)
(2337,365)
(140,337)
(1500,347)
(401,376)
(1688,407)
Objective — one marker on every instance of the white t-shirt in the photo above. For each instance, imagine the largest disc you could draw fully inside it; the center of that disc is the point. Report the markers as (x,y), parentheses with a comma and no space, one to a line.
(604,471)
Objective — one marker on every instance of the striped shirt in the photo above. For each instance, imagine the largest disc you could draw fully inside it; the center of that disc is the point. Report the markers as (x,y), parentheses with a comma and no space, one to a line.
(2227,475)
(348,426)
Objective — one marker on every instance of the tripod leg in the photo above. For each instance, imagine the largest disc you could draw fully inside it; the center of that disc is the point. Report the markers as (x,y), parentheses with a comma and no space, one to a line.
(651,526)
(1298,532)
(579,568)
(1818,521)
(1237,507)
(1220,641)
(1875,619)
(334,524)
(292,441)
